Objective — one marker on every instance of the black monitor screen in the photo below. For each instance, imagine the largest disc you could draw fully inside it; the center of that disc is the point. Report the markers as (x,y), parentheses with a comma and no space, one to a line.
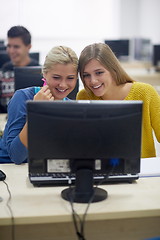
(2,47)
(84,131)
(156,56)
(120,47)
(27,77)
(4,57)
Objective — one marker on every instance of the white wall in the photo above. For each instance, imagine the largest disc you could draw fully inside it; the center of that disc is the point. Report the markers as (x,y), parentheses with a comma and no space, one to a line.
(75,23)
(150,19)
(140,18)
(130,18)
(61,18)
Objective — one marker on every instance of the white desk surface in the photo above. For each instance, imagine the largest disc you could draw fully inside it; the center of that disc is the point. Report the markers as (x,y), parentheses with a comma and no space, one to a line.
(44,204)
(150,167)
(131,212)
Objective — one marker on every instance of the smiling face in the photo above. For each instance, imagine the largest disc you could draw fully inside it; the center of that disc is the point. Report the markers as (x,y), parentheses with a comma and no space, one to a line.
(17,50)
(61,79)
(98,79)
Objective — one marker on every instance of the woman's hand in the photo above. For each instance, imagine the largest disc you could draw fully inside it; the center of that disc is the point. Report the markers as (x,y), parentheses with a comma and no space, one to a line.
(44,94)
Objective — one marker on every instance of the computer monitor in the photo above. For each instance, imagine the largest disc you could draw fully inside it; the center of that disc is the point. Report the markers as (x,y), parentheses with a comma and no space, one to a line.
(120,47)
(82,133)
(32,76)
(34,55)
(72,95)
(142,49)
(2,47)
(27,77)
(4,57)
(156,57)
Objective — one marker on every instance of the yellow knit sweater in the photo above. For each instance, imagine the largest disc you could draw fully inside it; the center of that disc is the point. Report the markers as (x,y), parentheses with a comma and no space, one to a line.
(151,113)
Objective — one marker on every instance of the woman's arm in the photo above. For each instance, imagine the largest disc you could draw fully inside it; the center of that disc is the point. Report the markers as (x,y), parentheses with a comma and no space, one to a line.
(16,120)
(43,94)
(23,135)
(16,128)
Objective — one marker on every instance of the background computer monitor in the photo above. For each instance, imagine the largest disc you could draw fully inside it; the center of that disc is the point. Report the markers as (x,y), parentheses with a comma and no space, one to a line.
(120,47)
(156,56)
(27,77)
(5,58)
(142,49)
(32,76)
(83,132)
(2,45)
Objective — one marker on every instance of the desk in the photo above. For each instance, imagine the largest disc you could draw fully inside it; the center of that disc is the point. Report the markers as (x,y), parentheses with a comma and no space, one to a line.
(150,78)
(131,212)
(143,72)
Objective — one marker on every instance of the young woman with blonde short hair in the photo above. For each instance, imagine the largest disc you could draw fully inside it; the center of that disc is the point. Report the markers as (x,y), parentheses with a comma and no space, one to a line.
(60,77)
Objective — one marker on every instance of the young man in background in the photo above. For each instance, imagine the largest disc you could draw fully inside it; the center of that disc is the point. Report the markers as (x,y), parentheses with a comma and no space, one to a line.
(18,47)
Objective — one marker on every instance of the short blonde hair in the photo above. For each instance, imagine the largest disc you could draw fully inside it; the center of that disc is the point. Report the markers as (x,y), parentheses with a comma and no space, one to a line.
(62,55)
(102,53)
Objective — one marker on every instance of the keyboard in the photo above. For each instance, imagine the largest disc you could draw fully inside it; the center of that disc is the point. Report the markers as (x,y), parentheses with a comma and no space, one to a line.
(65,179)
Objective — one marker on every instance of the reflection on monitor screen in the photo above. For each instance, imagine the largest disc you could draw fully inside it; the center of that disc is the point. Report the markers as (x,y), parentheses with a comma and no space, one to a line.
(84,133)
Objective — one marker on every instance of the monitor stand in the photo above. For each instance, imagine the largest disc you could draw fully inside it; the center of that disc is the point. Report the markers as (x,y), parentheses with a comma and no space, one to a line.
(84,192)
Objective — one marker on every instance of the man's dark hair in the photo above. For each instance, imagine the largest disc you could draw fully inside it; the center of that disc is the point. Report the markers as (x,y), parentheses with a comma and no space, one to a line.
(21,32)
